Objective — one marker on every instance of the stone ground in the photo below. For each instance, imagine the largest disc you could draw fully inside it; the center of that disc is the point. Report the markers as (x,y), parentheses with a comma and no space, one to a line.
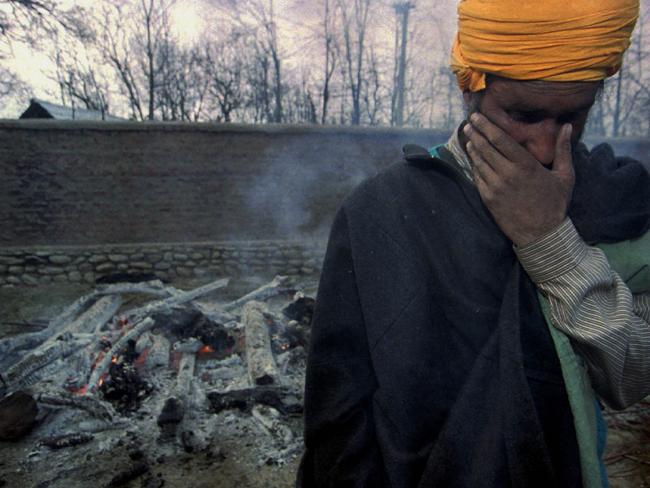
(627,457)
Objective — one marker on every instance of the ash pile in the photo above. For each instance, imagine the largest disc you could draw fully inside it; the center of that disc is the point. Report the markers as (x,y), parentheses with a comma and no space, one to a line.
(169,375)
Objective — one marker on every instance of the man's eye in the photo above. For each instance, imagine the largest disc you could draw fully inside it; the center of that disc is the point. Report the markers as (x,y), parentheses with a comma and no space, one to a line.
(524,117)
(568,118)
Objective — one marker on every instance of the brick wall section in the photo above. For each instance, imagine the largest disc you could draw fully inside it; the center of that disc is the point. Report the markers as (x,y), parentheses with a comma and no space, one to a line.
(88,183)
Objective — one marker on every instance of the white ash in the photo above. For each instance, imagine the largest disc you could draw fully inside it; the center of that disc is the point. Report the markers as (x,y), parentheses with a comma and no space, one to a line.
(157,355)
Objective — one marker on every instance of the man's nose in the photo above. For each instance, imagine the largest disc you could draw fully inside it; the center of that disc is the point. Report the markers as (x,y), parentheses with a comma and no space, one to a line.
(542,140)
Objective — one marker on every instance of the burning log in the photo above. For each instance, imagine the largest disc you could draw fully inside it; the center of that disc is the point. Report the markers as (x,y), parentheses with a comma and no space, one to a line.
(301,309)
(131,335)
(175,300)
(124,388)
(222,313)
(275,287)
(96,316)
(194,436)
(262,369)
(185,374)
(13,345)
(17,416)
(153,350)
(174,409)
(25,372)
(95,407)
(66,440)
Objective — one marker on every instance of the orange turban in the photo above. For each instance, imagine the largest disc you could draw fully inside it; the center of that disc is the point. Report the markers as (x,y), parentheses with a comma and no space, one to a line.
(553,40)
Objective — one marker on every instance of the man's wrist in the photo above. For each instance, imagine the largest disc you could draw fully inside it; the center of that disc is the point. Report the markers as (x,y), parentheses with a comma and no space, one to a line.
(552,254)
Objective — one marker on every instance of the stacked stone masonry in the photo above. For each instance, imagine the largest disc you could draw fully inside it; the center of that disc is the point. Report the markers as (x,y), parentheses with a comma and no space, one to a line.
(67,264)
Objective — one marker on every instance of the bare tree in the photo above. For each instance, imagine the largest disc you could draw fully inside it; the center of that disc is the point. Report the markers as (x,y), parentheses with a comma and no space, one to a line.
(354,27)
(182,84)
(226,69)
(372,90)
(30,22)
(131,41)
(79,82)
(330,58)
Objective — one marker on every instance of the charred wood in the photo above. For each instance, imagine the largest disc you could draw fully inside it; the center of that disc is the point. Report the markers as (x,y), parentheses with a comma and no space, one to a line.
(282,399)
(132,335)
(177,299)
(124,388)
(170,417)
(153,350)
(67,440)
(96,316)
(301,309)
(25,372)
(275,287)
(262,369)
(18,413)
(95,407)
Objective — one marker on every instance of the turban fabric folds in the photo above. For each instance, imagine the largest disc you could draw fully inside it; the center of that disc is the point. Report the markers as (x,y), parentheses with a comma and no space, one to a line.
(553,40)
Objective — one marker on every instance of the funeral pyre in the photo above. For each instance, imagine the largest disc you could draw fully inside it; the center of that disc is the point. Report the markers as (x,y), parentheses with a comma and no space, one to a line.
(169,373)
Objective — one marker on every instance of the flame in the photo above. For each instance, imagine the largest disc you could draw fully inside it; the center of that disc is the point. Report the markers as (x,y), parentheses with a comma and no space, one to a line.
(205,350)
(101,381)
(114,360)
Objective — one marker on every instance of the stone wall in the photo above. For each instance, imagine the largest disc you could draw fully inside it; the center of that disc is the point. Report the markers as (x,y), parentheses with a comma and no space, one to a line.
(76,264)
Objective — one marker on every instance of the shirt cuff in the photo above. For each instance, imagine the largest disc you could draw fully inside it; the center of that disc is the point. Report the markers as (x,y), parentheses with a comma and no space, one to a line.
(553,254)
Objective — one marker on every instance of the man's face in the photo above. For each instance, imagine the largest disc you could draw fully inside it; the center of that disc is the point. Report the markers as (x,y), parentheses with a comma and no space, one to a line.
(533,112)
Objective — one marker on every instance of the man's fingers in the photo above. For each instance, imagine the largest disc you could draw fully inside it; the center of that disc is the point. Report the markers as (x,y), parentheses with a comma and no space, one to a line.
(481,167)
(505,145)
(483,148)
(563,161)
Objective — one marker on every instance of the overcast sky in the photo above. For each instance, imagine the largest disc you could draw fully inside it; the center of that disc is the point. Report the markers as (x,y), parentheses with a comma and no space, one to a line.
(298,21)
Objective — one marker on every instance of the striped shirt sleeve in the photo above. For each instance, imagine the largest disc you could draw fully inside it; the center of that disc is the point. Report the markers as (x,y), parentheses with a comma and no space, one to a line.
(590,303)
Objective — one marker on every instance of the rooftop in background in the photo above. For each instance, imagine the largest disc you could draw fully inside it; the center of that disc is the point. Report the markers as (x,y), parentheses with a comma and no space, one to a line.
(40,109)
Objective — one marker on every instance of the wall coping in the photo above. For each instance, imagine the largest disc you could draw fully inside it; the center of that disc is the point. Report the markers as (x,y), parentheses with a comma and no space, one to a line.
(91,247)
(219,127)
(231,128)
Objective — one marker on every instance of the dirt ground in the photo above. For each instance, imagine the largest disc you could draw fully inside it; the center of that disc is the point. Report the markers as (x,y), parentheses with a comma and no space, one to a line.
(233,462)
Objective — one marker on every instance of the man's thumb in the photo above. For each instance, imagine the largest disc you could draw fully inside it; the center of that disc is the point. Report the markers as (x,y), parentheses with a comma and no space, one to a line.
(563,162)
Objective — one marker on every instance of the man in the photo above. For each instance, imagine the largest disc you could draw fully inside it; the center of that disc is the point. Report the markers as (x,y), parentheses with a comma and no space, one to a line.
(432,361)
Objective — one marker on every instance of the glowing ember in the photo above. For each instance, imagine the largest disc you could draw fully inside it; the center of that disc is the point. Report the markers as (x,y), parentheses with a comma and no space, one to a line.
(205,350)
(80,391)
(141,359)
(114,360)
(98,359)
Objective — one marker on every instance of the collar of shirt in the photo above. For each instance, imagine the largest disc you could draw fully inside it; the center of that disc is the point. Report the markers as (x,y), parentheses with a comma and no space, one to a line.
(454,147)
